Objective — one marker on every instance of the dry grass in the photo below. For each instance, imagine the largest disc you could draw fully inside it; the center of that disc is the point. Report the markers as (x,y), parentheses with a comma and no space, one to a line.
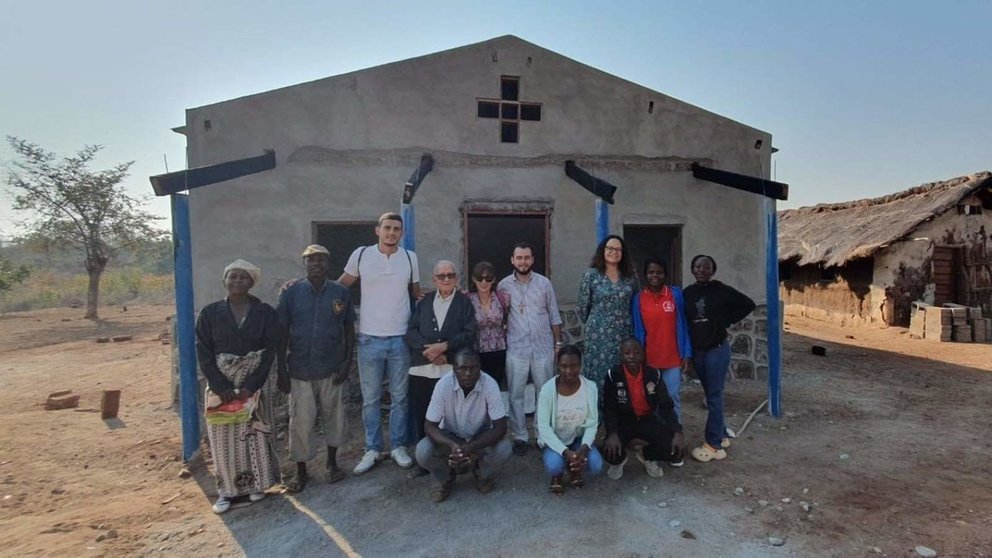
(47,289)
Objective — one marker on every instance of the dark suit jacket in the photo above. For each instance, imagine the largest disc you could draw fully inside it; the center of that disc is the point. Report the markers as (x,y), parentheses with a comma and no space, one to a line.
(459,330)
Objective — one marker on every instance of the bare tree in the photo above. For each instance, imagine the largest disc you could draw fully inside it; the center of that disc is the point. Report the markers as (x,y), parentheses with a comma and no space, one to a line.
(72,204)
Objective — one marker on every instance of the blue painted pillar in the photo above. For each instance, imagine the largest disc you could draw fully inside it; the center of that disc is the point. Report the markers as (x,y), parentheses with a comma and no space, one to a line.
(774,309)
(189,386)
(409,216)
(602,220)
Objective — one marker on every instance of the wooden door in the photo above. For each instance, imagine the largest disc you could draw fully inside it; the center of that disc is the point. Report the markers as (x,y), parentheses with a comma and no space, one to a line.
(945,264)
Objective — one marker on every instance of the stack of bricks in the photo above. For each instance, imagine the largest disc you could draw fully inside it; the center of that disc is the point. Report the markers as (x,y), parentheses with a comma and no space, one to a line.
(938,324)
(961,329)
(950,322)
(978,328)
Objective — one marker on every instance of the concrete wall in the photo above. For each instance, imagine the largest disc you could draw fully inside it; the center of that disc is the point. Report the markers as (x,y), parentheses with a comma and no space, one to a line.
(345,145)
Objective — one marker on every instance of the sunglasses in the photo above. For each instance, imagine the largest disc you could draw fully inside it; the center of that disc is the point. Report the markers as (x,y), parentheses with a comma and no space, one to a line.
(446,276)
(486,278)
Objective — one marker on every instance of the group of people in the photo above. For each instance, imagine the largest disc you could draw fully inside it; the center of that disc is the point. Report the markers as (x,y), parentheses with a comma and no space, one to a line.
(446,356)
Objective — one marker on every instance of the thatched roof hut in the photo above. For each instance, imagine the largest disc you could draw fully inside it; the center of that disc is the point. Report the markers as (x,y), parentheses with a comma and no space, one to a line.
(833,234)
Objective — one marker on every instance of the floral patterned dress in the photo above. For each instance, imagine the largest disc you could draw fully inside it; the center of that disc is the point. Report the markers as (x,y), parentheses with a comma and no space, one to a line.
(604,306)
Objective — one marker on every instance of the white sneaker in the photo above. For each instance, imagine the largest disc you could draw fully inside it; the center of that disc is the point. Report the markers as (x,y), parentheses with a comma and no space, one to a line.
(221,505)
(616,471)
(368,461)
(256,496)
(401,457)
(653,469)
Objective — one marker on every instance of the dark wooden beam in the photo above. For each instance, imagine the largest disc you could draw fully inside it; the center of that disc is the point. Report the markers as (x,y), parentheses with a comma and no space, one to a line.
(753,184)
(597,186)
(410,188)
(173,182)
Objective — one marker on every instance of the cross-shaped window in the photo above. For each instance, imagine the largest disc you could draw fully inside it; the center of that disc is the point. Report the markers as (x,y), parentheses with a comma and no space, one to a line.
(509,109)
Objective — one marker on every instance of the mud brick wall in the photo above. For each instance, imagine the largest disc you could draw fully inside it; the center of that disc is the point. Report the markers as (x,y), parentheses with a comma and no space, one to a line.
(749,341)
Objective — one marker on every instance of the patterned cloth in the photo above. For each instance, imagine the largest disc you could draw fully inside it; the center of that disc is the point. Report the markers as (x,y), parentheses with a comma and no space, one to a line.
(492,334)
(244,456)
(604,306)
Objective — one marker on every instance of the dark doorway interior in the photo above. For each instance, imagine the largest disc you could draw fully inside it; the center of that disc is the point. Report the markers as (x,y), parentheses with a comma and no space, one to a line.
(662,241)
(341,239)
(491,236)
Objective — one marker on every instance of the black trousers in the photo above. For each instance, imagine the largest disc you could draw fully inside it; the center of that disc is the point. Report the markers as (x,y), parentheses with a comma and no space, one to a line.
(494,364)
(419,391)
(657,435)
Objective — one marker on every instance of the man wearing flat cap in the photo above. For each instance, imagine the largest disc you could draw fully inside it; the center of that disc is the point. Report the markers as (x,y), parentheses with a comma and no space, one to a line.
(318,324)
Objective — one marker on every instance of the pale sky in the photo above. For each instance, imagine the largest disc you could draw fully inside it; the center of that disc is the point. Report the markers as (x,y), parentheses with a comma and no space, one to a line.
(862,98)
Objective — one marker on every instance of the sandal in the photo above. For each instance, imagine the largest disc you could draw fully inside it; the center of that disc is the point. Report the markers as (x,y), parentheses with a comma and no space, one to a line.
(440,492)
(705,453)
(556,487)
(577,480)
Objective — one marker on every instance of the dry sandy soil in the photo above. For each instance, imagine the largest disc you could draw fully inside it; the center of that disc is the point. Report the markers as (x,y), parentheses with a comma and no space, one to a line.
(885,441)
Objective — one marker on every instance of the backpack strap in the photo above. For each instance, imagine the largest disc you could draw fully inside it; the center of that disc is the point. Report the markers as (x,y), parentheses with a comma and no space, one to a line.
(409,261)
(358,267)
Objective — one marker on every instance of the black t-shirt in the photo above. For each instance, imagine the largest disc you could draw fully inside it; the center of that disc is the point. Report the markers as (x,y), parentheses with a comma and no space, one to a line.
(710,308)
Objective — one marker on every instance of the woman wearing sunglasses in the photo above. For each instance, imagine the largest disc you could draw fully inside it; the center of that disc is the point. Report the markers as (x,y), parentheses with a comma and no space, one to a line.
(491,309)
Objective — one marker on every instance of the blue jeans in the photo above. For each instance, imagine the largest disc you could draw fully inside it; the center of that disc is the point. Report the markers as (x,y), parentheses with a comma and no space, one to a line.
(554,462)
(379,358)
(711,368)
(673,382)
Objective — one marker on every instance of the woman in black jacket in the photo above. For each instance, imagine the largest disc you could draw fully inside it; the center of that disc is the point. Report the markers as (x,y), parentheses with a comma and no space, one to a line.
(442,323)
(710,308)
(236,341)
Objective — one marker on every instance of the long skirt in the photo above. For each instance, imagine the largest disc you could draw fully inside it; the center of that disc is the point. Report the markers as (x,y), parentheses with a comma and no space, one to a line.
(244,452)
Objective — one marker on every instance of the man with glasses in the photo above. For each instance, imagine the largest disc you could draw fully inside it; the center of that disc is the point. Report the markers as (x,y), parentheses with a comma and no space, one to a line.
(533,336)
(389,280)
(442,324)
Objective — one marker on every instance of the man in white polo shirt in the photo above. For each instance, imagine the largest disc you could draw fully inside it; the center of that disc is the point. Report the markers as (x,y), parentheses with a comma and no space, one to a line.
(389,278)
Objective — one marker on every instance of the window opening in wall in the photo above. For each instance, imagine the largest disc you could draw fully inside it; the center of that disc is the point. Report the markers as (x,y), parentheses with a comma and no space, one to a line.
(509,88)
(509,109)
(488,109)
(530,111)
(508,132)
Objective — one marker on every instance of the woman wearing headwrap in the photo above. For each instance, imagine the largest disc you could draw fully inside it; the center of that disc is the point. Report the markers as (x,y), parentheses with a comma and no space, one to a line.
(236,341)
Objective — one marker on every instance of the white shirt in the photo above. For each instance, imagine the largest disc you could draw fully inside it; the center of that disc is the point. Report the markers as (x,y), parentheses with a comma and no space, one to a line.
(384,280)
(571,413)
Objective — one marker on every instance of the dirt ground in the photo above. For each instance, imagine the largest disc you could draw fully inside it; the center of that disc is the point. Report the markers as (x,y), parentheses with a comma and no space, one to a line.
(884,446)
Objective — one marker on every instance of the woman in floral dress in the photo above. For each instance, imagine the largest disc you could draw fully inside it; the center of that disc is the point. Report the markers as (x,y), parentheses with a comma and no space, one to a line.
(605,292)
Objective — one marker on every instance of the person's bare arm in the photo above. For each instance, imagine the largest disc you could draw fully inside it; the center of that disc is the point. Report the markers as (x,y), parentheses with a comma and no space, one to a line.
(347,280)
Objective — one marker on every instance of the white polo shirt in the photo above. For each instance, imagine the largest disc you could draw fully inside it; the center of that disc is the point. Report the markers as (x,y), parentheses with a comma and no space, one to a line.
(385,309)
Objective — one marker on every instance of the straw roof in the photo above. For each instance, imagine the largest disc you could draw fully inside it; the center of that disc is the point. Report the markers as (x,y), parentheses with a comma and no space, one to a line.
(833,234)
